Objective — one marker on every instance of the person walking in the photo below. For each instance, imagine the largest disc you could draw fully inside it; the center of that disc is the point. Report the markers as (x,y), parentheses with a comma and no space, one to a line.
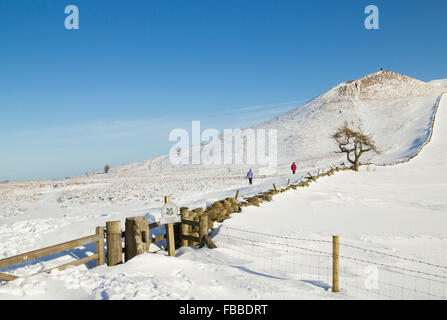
(293,167)
(250,176)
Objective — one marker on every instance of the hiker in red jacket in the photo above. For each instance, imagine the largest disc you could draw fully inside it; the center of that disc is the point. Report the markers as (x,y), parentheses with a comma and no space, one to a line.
(293,167)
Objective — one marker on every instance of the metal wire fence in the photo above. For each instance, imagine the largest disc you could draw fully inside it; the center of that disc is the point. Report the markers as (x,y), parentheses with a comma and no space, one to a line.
(380,275)
(277,257)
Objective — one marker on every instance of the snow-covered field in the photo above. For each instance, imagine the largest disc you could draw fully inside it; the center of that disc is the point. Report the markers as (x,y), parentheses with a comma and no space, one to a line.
(399,210)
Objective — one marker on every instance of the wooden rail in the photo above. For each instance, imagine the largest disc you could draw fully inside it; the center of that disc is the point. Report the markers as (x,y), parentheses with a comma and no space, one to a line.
(97,238)
(191,223)
(7,277)
(154,225)
(74,263)
(189,238)
(157,239)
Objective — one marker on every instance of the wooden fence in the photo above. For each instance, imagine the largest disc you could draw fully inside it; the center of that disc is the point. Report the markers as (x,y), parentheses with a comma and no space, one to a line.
(97,238)
(191,231)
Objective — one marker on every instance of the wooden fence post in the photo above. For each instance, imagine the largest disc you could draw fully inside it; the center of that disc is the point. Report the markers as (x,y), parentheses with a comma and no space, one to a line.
(136,237)
(335,264)
(203,229)
(288,182)
(274,187)
(114,243)
(170,239)
(195,230)
(237,195)
(184,227)
(100,246)
(210,243)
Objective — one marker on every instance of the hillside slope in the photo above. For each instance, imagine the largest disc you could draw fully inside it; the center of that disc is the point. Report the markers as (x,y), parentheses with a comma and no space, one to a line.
(439,83)
(397,110)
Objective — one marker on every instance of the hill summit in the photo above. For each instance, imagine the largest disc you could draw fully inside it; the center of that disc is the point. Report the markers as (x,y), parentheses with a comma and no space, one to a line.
(383,84)
(396,109)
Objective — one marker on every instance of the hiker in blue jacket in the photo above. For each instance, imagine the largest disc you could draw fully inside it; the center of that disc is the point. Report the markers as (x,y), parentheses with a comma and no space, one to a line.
(250,176)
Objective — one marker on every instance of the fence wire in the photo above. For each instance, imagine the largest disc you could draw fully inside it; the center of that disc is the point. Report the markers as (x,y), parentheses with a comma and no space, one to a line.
(310,260)
(276,256)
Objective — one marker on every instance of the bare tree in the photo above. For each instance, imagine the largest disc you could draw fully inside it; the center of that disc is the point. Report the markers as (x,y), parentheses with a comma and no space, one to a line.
(354,144)
(106,169)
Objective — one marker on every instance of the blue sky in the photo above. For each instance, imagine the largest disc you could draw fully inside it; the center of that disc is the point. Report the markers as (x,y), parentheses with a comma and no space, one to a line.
(72,101)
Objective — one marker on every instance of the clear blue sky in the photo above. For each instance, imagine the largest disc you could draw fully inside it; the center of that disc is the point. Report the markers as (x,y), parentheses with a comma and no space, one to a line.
(72,101)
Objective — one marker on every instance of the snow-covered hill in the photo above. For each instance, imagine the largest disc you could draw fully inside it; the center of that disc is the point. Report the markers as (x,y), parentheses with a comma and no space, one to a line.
(396,109)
